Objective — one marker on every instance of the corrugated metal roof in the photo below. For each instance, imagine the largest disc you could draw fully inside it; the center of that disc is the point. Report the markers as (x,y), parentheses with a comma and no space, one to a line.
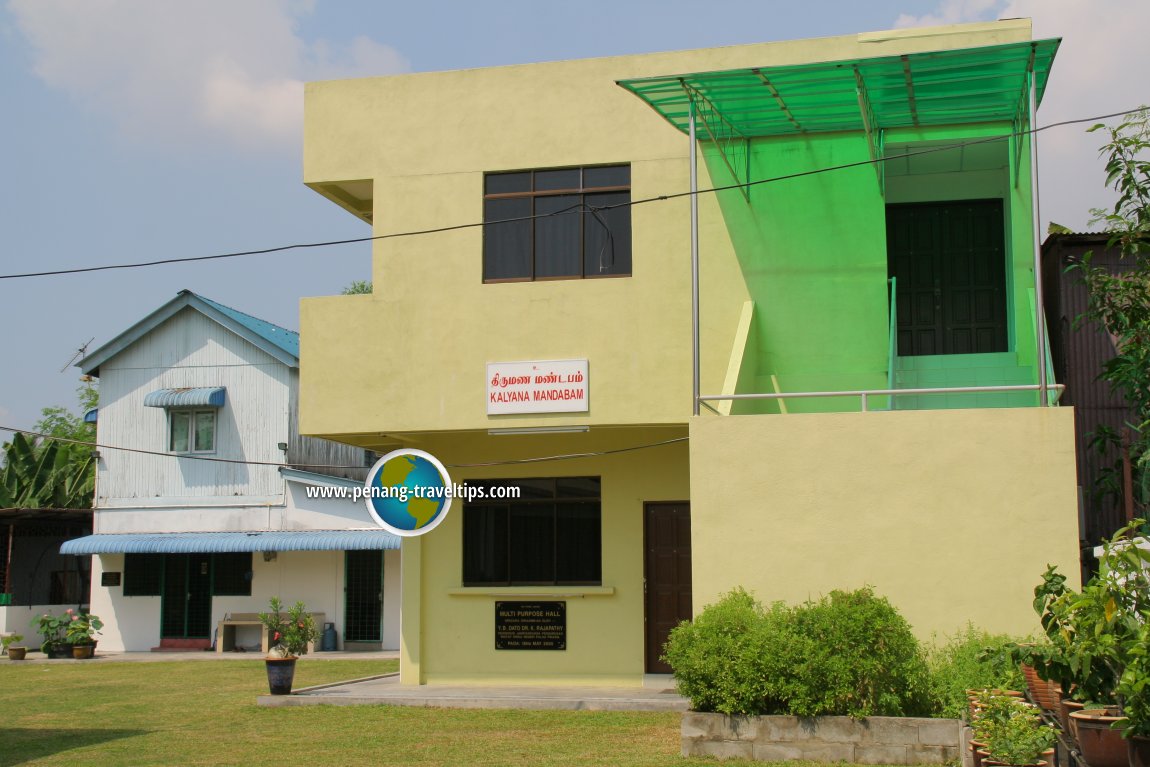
(200,543)
(285,339)
(950,87)
(206,396)
(280,343)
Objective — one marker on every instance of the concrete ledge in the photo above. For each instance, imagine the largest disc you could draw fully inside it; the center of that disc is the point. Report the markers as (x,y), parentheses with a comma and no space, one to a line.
(875,740)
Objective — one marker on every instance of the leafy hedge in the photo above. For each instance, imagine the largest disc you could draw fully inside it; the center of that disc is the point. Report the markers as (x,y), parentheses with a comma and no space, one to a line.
(850,653)
(962,663)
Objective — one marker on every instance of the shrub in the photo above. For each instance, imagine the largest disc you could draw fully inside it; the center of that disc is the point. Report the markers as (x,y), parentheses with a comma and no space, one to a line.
(963,663)
(861,659)
(728,659)
(850,653)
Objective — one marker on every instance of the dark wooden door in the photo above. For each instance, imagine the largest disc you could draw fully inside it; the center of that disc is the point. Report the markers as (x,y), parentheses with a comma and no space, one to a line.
(363,596)
(949,264)
(667,576)
(187,603)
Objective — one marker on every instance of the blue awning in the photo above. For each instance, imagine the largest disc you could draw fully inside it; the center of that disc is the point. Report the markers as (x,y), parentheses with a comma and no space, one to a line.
(201,543)
(208,396)
(92,415)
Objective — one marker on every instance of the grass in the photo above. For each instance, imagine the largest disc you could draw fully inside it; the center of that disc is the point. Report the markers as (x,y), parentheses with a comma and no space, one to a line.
(205,713)
(200,713)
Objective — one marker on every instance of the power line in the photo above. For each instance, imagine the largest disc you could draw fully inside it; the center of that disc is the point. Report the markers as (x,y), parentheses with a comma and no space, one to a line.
(508,462)
(566,211)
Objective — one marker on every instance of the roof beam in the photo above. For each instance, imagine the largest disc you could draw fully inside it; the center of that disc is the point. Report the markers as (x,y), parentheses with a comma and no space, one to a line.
(778,99)
(870,125)
(729,144)
(909,89)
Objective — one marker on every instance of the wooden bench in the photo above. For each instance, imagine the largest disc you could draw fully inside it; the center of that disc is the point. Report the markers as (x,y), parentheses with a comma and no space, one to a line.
(226,632)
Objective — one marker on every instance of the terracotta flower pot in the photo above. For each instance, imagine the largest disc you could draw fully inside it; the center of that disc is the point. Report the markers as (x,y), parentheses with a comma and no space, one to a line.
(1100,745)
(1138,751)
(977,749)
(1046,694)
(988,762)
(1069,726)
(83,651)
(17,653)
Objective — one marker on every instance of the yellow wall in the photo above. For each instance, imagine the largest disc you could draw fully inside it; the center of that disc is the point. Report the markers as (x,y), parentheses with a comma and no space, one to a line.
(951,514)
(412,356)
(449,631)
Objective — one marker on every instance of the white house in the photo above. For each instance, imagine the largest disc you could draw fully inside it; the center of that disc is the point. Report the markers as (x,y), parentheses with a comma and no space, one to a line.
(202,507)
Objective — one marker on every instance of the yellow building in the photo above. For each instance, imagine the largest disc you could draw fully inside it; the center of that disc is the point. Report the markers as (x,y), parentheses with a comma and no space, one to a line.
(874,236)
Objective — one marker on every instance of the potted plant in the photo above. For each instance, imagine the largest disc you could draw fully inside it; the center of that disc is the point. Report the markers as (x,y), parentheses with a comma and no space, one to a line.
(81,634)
(15,652)
(1016,735)
(1134,690)
(52,629)
(291,631)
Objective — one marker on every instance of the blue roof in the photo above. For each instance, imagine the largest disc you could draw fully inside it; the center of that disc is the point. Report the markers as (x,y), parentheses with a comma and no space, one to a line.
(280,343)
(288,340)
(208,396)
(201,543)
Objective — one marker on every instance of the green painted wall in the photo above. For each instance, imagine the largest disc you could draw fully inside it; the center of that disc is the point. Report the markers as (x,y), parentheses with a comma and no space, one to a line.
(813,254)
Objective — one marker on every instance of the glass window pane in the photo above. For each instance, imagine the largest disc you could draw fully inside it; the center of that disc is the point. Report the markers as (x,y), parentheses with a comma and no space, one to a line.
(506,247)
(504,183)
(615,175)
(578,487)
(607,235)
(556,179)
(232,574)
(485,545)
(205,431)
(533,487)
(533,543)
(579,551)
(181,430)
(557,239)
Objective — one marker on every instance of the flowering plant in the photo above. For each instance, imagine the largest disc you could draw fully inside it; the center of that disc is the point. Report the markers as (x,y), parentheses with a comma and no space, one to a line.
(52,628)
(82,628)
(291,630)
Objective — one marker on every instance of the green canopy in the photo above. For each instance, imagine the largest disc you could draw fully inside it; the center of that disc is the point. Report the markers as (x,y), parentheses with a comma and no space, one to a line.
(917,89)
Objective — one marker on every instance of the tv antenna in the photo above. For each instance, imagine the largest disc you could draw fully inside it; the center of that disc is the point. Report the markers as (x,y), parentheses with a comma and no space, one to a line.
(79,353)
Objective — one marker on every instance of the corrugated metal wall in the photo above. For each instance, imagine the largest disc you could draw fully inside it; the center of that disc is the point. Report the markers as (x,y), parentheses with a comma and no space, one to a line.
(192,350)
(1078,355)
(311,454)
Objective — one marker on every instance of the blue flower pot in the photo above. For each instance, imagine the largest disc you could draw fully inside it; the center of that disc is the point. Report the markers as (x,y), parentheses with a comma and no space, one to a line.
(281,672)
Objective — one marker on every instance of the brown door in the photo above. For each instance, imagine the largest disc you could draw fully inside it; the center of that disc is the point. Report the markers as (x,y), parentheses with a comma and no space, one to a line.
(667,572)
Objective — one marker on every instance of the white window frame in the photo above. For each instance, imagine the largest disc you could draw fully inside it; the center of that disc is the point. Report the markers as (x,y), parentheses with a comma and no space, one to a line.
(190,414)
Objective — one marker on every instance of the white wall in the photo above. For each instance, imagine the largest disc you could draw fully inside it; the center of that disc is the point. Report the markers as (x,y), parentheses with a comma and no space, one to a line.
(17,619)
(314,577)
(190,350)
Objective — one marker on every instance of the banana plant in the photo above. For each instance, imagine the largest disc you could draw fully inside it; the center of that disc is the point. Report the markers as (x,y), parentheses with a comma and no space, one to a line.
(45,475)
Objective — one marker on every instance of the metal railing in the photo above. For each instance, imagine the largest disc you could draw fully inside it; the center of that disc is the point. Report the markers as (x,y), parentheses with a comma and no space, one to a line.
(893,341)
(864,395)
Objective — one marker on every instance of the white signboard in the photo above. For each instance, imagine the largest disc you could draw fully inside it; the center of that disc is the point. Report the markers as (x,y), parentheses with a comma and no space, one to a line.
(539,386)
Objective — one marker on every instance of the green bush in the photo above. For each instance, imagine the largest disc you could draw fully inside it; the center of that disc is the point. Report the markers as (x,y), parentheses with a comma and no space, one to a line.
(962,663)
(728,659)
(850,653)
(861,659)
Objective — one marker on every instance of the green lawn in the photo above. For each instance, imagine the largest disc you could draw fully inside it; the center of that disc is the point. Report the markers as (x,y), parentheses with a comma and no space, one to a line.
(204,712)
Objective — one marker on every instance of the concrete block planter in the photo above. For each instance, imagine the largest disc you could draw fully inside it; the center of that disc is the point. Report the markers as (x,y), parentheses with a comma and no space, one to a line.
(876,740)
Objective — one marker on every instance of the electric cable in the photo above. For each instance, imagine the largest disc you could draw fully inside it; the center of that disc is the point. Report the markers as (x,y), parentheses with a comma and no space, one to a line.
(508,462)
(570,209)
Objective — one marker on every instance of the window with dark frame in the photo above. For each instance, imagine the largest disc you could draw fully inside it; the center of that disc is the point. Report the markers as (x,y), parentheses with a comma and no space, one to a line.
(550,536)
(560,224)
(231,574)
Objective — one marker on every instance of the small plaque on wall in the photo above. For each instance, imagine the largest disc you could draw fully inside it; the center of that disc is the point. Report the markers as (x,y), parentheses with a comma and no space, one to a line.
(530,625)
(109,579)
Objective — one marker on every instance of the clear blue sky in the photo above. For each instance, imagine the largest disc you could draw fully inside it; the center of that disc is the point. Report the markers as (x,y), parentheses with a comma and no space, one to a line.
(136,130)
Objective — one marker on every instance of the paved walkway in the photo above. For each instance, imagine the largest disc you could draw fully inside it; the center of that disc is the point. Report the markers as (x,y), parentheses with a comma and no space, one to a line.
(387,690)
(201,655)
